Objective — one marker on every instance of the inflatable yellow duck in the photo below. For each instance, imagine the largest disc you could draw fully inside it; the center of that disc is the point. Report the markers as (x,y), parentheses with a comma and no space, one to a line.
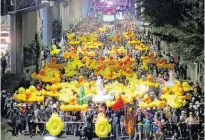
(54,51)
(102,126)
(54,125)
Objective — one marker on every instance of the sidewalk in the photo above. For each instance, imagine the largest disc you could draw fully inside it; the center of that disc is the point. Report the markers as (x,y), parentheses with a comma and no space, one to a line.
(5,135)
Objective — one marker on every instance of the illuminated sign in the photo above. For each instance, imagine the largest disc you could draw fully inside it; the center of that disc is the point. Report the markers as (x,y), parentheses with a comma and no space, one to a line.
(108,18)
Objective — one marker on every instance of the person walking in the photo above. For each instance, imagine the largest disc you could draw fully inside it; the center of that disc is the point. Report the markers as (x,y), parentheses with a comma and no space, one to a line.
(175,121)
(3,101)
(7,106)
(23,118)
(139,122)
(41,118)
(192,121)
(3,65)
(89,128)
(115,124)
(182,124)
(27,78)
(147,127)
(67,118)
(15,114)
(36,122)
(42,57)
(30,120)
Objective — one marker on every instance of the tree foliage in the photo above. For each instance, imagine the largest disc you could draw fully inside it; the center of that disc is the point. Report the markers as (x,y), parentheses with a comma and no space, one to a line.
(32,53)
(180,23)
(57,30)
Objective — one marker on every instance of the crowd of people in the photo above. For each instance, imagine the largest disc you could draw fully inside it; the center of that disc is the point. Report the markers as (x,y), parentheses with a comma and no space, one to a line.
(151,123)
(186,122)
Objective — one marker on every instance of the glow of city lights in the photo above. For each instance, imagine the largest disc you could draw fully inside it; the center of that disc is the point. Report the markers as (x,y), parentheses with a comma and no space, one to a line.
(119,16)
(109,3)
(8,40)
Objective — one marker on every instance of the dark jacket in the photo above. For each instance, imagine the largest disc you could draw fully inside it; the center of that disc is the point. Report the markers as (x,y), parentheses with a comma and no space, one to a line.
(3,63)
(15,114)
(30,115)
(41,115)
(115,118)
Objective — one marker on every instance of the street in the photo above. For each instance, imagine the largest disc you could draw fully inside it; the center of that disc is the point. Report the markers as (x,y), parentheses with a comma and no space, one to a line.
(7,135)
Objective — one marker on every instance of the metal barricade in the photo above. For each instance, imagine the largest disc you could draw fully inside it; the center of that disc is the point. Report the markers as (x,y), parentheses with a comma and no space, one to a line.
(81,123)
(140,131)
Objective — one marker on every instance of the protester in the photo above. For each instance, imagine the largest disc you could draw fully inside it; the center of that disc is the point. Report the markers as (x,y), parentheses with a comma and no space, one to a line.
(41,119)
(144,123)
(15,119)
(192,122)
(27,78)
(3,102)
(3,64)
(23,118)
(30,120)
(182,124)
(7,106)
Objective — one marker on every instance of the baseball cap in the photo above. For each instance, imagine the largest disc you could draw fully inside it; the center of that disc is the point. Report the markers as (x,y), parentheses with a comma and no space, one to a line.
(24,105)
(54,106)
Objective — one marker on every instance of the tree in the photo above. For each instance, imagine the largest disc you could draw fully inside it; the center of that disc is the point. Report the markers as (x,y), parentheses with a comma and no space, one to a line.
(178,22)
(35,49)
(56,30)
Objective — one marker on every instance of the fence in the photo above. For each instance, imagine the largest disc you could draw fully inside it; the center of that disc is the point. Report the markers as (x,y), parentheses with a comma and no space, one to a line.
(137,132)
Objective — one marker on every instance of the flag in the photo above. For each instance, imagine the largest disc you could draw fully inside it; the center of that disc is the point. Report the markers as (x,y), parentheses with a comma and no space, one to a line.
(82,94)
(118,104)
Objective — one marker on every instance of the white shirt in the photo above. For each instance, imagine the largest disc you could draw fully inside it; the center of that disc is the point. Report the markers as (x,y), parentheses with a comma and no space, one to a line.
(42,55)
(28,76)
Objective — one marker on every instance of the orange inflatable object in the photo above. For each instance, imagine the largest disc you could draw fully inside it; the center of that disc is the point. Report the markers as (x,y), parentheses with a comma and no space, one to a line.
(147,98)
(129,123)
(141,47)
(149,78)
(81,79)
(165,66)
(115,38)
(102,59)
(153,61)
(28,93)
(70,54)
(53,64)
(75,107)
(73,100)
(85,52)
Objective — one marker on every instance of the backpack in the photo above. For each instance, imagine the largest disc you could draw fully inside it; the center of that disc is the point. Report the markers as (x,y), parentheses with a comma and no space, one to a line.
(89,127)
